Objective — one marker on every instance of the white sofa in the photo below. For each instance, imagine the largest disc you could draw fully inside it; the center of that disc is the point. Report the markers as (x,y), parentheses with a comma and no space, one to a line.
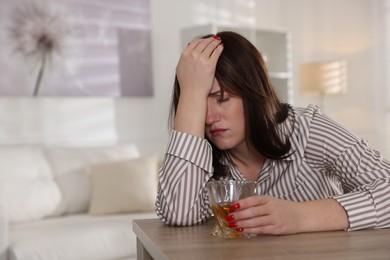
(73,203)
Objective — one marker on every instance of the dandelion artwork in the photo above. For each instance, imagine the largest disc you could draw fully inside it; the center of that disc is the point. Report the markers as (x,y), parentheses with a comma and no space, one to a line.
(75,48)
(38,33)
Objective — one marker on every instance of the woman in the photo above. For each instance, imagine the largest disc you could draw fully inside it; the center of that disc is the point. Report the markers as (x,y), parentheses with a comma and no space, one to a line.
(312,174)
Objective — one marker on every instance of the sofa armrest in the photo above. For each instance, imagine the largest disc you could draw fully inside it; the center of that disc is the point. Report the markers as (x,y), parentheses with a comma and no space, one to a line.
(3,234)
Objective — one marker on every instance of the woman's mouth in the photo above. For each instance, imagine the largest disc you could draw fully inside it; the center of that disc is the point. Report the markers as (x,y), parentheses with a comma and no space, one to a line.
(217,131)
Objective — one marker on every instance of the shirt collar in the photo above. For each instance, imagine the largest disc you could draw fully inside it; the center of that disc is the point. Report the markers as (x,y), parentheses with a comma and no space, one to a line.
(291,127)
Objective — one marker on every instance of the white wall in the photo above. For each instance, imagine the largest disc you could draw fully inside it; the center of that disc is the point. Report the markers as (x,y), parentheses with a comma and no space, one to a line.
(87,120)
(104,120)
(343,30)
(321,29)
(350,30)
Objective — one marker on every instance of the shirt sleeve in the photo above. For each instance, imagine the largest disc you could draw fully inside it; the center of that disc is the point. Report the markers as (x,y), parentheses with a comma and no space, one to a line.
(182,198)
(365,178)
(363,173)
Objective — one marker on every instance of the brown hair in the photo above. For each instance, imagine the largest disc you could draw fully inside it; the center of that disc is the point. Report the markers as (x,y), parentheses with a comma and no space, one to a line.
(241,71)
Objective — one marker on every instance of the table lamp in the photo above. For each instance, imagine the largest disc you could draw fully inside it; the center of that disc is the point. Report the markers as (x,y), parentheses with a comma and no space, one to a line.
(324,78)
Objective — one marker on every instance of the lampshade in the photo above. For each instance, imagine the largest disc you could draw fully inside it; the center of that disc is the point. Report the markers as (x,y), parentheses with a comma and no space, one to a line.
(324,78)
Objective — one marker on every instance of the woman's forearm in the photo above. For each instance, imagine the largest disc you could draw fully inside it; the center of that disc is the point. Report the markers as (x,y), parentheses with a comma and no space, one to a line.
(186,169)
(186,120)
(322,215)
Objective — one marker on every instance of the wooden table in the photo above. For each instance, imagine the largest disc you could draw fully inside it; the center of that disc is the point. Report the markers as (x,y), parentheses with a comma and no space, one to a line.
(157,241)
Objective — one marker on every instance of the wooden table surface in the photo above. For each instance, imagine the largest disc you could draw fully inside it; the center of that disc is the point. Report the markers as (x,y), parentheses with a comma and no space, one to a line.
(157,241)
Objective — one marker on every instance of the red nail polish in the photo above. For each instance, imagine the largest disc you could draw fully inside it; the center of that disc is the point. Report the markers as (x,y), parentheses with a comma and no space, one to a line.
(215,37)
(230,218)
(222,44)
(239,229)
(232,224)
(235,206)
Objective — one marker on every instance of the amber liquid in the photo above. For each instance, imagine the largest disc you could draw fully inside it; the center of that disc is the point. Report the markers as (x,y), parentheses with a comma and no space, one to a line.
(221,211)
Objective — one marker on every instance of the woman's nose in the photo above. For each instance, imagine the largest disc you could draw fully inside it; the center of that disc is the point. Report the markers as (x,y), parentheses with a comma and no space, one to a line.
(211,115)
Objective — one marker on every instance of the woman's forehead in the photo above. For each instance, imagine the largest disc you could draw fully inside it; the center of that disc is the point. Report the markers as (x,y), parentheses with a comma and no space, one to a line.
(218,90)
(216,87)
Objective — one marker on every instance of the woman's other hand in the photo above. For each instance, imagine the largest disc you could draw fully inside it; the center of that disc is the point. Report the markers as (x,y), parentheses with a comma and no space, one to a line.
(268,215)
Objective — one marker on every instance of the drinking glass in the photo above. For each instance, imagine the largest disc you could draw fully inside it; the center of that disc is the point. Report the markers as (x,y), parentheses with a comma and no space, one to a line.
(222,194)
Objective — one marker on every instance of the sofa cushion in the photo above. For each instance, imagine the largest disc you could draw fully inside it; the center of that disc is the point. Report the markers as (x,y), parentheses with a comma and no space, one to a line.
(70,166)
(75,237)
(76,192)
(124,186)
(23,161)
(66,158)
(26,200)
(27,188)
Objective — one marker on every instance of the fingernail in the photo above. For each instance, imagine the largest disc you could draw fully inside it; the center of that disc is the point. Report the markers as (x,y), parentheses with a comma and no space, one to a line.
(217,37)
(239,229)
(232,224)
(222,44)
(230,218)
(235,206)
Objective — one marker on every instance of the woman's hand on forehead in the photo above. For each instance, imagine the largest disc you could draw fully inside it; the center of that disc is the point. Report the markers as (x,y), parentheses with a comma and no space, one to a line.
(196,68)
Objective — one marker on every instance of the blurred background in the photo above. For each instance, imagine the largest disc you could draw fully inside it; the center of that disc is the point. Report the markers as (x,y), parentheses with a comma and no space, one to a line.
(355,32)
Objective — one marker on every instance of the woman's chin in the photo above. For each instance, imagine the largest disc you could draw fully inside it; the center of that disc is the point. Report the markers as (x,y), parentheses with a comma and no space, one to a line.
(222,146)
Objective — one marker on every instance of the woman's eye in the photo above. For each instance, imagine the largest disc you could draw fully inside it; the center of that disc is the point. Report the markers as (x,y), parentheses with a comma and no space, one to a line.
(224,99)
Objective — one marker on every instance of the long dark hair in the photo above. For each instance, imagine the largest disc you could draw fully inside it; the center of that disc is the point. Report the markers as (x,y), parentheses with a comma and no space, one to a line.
(241,71)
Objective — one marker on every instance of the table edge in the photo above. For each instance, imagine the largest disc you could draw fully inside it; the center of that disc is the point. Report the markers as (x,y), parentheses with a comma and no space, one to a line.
(147,242)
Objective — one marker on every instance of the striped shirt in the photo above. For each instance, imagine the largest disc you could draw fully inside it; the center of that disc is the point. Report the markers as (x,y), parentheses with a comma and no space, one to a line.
(327,161)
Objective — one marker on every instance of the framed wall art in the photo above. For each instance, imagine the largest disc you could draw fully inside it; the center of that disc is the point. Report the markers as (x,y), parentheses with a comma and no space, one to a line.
(75,48)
